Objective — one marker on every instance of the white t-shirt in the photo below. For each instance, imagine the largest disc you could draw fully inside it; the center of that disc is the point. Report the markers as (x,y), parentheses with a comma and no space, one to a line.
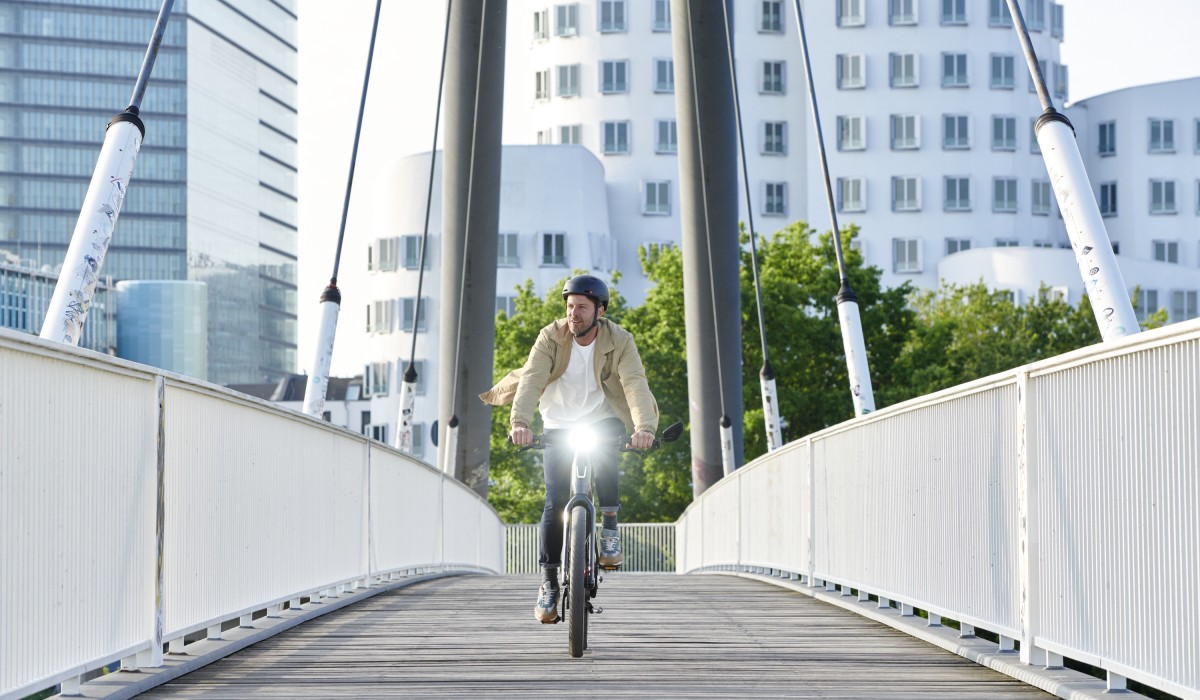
(575,398)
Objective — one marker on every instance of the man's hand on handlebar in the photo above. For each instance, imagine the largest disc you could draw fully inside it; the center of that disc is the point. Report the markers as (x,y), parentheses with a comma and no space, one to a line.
(521,435)
(642,440)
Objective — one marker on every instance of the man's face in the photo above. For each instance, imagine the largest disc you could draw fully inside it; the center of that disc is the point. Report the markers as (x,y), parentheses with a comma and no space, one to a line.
(580,312)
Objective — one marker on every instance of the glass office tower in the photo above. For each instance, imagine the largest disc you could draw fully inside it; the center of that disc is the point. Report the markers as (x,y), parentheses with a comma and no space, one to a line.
(213,196)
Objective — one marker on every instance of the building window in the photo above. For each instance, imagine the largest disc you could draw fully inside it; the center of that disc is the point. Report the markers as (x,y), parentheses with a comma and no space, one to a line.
(665,136)
(612,16)
(1108,199)
(408,311)
(957,245)
(1003,72)
(1166,251)
(508,250)
(1035,15)
(958,193)
(906,193)
(1108,138)
(566,20)
(410,249)
(377,379)
(1004,133)
(903,72)
(656,198)
(418,439)
(906,255)
(664,75)
(850,13)
(544,137)
(1034,146)
(1145,302)
(1061,81)
(1056,21)
(554,248)
(954,70)
(506,305)
(902,12)
(662,16)
(772,78)
(419,368)
(541,85)
(851,74)
(852,133)
(1197,149)
(1183,305)
(1004,195)
(616,138)
(1007,243)
(905,132)
(1040,198)
(1045,244)
(955,133)
(568,80)
(1162,197)
(569,134)
(384,255)
(1162,135)
(772,17)
(541,29)
(381,316)
(774,138)
(954,11)
(614,76)
(852,194)
(998,15)
(775,199)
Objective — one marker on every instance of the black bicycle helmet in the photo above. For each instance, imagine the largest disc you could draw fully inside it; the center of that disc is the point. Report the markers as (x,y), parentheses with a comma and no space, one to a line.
(591,287)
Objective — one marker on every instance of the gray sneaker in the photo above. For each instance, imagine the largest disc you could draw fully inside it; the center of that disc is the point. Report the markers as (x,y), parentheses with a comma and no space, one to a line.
(610,549)
(546,610)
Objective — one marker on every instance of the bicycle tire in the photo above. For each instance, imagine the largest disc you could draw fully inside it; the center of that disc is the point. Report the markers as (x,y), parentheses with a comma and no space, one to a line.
(577,593)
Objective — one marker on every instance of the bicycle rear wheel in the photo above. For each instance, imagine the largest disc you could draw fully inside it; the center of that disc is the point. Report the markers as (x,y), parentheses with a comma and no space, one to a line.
(577,592)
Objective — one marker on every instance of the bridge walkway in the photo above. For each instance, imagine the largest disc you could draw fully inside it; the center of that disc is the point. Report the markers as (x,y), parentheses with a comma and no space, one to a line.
(660,635)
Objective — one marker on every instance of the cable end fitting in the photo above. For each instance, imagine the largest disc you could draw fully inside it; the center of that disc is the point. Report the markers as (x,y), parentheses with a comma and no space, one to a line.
(331,293)
(845,293)
(1052,115)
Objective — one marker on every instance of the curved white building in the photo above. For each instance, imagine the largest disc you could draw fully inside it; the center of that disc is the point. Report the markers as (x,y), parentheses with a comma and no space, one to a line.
(553,219)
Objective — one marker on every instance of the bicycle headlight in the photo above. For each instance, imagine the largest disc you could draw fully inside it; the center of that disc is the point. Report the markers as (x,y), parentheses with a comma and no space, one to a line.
(583,439)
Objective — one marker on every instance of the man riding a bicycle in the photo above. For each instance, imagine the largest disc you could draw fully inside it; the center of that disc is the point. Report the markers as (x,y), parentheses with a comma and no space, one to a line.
(583,370)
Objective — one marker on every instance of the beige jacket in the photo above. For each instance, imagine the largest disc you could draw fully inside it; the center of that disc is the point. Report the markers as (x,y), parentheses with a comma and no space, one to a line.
(619,373)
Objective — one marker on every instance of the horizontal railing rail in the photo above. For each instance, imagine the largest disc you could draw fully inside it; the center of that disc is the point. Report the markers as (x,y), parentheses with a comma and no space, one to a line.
(142,510)
(1046,505)
(646,547)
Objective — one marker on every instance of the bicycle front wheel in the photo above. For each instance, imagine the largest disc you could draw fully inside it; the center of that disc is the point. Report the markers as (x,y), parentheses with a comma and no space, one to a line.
(577,592)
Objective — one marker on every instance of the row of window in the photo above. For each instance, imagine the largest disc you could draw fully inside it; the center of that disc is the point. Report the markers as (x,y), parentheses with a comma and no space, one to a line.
(613,78)
(852,13)
(612,17)
(96,60)
(391,315)
(147,198)
(70,23)
(957,195)
(615,136)
(80,161)
(904,71)
(1160,136)
(905,132)
(377,377)
(94,94)
(32,123)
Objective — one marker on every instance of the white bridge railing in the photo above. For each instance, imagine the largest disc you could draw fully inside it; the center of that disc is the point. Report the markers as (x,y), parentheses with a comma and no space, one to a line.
(1057,505)
(138,508)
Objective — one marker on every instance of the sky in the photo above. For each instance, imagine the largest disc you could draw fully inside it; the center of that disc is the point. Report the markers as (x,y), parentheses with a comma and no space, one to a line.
(1108,45)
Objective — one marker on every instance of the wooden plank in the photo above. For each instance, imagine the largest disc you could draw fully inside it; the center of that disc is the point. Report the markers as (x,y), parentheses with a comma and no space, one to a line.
(660,635)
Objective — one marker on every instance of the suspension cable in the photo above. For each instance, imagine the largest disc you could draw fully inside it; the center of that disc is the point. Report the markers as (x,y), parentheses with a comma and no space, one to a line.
(737,107)
(704,198)
(412,355)
(462,283)
(362,103)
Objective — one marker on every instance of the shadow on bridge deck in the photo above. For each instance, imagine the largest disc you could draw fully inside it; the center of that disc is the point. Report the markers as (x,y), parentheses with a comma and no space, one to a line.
(660,635)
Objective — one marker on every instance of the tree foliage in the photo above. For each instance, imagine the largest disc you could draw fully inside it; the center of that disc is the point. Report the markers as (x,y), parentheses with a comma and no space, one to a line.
(917,342)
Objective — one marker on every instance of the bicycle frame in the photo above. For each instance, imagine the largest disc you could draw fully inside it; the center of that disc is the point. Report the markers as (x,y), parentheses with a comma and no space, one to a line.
(581,497)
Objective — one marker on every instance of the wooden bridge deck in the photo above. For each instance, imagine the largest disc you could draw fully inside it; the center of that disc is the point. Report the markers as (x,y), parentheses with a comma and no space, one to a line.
(660,635)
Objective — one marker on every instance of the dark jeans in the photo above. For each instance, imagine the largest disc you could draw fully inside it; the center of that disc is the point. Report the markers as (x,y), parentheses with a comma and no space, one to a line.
(557,460)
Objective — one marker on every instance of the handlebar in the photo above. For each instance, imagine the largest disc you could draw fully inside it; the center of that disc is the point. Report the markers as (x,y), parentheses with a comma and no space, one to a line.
(623,444)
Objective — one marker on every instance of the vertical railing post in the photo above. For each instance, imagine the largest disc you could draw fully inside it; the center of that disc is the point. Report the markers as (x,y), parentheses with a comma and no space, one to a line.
(1026,520)
(810,475)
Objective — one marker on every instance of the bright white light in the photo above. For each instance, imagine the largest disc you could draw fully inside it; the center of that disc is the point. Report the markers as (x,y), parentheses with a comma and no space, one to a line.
(583,439)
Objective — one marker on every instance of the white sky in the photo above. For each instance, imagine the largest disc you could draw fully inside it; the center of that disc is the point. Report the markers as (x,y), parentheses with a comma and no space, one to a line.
(1109,44)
